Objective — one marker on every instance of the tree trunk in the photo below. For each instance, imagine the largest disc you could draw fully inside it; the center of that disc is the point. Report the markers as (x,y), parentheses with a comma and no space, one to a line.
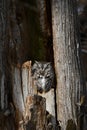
(20,108)
(67,61)
(7,120)
(3,40)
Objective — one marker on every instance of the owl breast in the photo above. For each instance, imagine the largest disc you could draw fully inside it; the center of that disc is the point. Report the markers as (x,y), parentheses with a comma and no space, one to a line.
(43,82)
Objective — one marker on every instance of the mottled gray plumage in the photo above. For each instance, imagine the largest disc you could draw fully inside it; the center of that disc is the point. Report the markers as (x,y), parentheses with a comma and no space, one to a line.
(43,74)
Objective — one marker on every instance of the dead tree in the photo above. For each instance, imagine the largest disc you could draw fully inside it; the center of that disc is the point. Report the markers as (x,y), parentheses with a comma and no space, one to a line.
(67,61)
(20,106)
(31,107)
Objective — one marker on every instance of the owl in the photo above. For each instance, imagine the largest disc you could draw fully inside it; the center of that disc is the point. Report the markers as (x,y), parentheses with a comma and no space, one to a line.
(43,74)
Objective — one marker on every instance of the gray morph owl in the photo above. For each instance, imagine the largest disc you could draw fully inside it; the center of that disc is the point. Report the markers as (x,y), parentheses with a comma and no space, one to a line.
(43,74)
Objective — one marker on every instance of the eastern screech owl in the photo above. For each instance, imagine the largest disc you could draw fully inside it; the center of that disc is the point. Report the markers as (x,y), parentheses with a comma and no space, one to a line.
(43,75)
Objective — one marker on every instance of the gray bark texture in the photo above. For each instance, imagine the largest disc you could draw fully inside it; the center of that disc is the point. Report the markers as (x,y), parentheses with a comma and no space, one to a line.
(31,107)
(67,62)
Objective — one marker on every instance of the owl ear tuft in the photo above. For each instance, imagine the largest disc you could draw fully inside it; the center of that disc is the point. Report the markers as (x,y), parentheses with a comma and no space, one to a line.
(34,66)
(36,61)
(48,63)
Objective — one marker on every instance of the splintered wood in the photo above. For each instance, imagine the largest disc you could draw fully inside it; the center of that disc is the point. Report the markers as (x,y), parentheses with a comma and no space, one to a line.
(35,113)
(31,107)
(22,87)
(50,105)
(27,79)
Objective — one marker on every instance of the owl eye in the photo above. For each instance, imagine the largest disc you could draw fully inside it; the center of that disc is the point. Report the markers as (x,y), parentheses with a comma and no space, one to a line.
(47,76)
(39,76)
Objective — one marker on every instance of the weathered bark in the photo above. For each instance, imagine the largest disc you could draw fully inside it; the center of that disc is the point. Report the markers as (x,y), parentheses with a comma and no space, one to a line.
(50,106)
(15,79)
(3,40)
(31,108)
(35,114)
(18,40)
(67,62)
(22,87)
(6,122)
(6,107)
